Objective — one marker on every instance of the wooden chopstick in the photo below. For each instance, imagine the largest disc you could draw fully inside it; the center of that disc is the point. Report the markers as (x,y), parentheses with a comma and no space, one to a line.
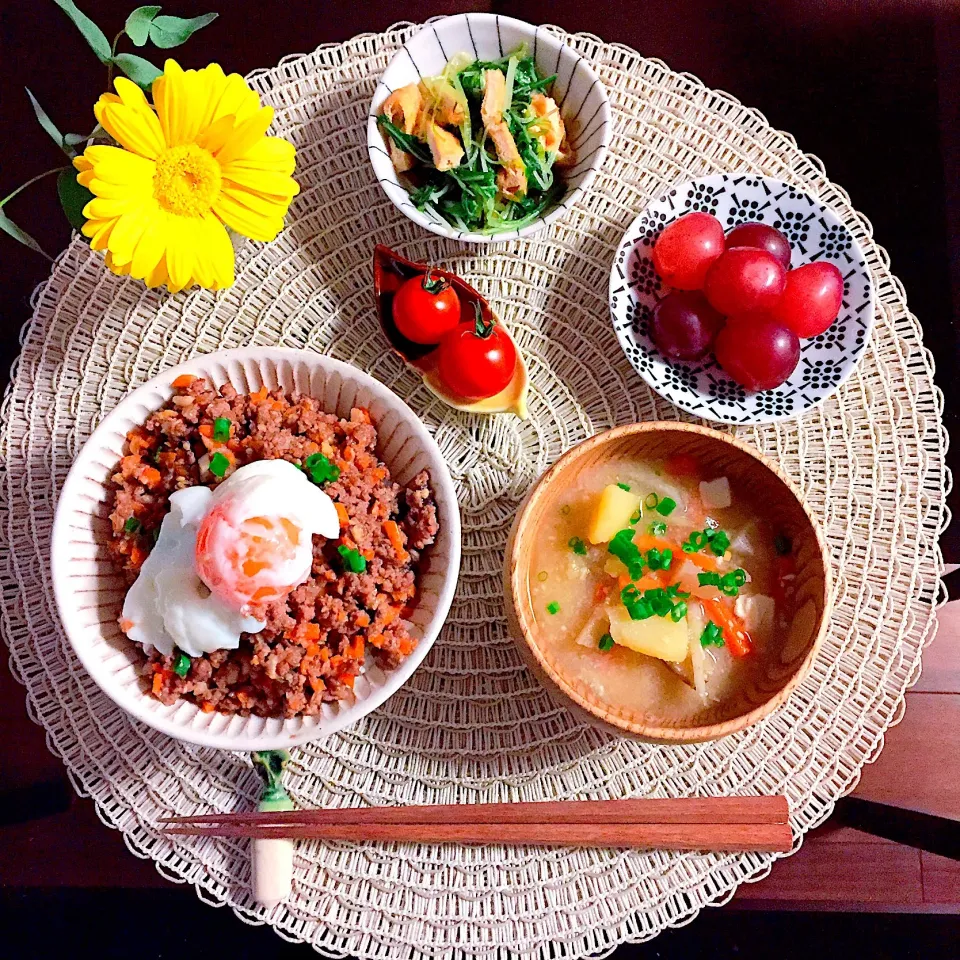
(696,823)
(726,837)
(652,810)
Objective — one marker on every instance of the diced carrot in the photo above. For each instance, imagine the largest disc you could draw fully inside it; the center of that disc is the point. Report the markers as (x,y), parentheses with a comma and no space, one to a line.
(600,593)
(348,454)
(308,632)
(389,615)
(312,649)
(622,581)
(139,442)
(702,560)
(183,381)
(363,619)
(126,625)
(206,429)
(392,529)
(150,476)
(355,647)
(348,680)
(130,465)
(682,465)
(735,636)
(375,640)
(342,514)
(157,684)
(137,556)
(647,542)
(360,415)
(653,580)
(260,395)
(207,707)
(405,646)
(324,653)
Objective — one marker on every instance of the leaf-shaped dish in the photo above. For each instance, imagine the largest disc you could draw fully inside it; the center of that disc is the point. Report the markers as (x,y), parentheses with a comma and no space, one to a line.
(390,270)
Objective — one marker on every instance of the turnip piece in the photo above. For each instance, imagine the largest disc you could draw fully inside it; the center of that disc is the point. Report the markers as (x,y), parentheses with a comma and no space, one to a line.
(715,494)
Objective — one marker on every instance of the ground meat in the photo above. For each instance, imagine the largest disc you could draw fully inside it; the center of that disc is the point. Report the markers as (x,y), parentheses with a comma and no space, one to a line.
(316,640)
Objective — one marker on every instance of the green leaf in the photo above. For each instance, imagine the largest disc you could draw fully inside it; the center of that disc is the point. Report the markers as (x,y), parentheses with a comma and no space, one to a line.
(11,229)
(141,72)
(73,197)
(75,139)
(167,32)
(49,125)
(91,32)
(138,23)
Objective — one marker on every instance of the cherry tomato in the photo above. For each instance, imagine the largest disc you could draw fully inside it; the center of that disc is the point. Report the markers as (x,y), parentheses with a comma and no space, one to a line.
(686,248)
(477,359)
(763,237)
(684,324)
(757,351)
(743,280)
(425,308)
(811,300)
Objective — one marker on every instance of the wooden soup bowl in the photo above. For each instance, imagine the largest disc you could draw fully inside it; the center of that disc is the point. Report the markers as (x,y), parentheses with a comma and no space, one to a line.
(777,500)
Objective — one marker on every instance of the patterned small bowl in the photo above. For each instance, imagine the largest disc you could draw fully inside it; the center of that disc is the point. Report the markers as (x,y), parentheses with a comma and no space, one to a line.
(579,93)
(89,589)
(815,233)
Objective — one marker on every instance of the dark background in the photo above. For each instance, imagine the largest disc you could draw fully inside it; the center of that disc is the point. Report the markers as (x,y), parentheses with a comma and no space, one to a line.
(871,87)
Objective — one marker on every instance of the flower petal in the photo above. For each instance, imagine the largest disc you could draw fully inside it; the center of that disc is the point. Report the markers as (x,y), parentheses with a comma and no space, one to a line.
(126,235)
(158,276)
(181,103)
(151,246)
(180,261)
(262,181)
(214,256)
(245,135)
(137,130)
(231,94)
(246,221)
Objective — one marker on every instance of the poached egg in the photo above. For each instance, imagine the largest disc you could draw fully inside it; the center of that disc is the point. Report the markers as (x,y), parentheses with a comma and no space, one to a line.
(221,551)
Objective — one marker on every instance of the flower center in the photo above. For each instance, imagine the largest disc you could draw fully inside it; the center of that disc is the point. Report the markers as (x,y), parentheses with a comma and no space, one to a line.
(187,180)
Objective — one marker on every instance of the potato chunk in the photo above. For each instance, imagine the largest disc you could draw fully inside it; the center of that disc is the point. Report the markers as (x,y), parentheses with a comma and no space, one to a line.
(613,512)
(659,637)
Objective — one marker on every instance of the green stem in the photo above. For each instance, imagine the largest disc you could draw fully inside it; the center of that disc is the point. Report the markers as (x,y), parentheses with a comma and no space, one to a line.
(113,53)
(31,181)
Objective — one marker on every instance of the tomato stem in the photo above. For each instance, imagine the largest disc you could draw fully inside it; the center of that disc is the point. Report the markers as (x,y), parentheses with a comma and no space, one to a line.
(482,327)
(434,285)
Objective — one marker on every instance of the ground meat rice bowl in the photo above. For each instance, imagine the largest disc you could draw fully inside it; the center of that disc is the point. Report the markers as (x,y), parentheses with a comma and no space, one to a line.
(317,638)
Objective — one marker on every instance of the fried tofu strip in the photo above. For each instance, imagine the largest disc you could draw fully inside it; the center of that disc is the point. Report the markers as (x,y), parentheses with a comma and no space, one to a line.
(402,109)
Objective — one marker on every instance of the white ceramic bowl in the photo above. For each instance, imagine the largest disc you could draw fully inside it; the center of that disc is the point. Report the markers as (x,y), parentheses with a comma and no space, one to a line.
(579,93)
(89,589)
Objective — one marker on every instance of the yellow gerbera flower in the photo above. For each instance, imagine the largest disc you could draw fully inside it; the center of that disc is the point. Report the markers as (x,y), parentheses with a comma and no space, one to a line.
(188,168)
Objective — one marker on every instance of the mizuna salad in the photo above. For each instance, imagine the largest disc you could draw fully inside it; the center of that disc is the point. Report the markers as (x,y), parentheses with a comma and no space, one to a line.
(481,144)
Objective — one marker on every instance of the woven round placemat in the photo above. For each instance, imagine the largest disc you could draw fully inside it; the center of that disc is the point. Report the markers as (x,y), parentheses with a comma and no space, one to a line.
(473,724)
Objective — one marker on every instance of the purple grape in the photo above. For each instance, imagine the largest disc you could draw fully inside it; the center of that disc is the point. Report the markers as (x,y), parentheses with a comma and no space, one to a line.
(684,325)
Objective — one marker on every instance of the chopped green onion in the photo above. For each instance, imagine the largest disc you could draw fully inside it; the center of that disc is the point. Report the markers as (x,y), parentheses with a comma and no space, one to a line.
(739,577)
(624,486)
(659,600)
(606,642)
(696,541)
(659,559)
(553,608)
(219,464)
(651,500)
(627,552)
(729,583)
(221,429)
(181,666)
(565,509)
(679,611)
(132,525)
(666,506)
(321,469)
(674,591)
(542,576)
(719,543)
(635,516)
(782,545)
(577,546)
(353,560)
(638,607)
(712,635)
(658,528)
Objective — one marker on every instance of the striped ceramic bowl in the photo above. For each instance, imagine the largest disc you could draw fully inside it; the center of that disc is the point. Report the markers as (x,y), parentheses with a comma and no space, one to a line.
(89,589)
(579,93)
